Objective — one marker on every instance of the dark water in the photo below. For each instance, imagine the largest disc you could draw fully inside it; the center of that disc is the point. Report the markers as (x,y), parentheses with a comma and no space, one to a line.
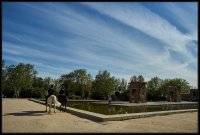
(114,109)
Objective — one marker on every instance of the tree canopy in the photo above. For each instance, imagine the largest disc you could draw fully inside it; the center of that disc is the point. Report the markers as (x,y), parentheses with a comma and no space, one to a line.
(21,80)
(103,86)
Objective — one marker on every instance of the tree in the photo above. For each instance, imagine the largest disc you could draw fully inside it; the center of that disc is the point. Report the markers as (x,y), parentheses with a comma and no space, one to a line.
(84,81)
(11,80)
(47,82)
(38,90)
(57,85)
(38,82)
(121,87)
(134,78)
(25,75)
(3,77)
(153,89)
(140,78)
(157,88)
(78,83)
(19,77)
(181,84)
(103,85)
(124,96)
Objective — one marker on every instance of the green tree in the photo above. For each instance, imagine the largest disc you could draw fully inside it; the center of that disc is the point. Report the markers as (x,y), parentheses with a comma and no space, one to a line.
(157,88)
(140,78)
(103,85)
(19,77)
(38,82)
(38,90)
(3,77)
(121,87)
(25,75)
(124,96)
(78,83)
(181,84)
(57,86)
(47,81)
(153,88)
(134,78)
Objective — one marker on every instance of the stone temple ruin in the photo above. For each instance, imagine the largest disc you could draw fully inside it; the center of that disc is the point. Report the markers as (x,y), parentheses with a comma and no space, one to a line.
(137,92)
(173,94)
(193,95)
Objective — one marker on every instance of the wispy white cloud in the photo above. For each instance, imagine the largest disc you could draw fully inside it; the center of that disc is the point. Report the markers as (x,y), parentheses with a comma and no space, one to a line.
(148,22)
(185,16)
(125,39)
(143,19)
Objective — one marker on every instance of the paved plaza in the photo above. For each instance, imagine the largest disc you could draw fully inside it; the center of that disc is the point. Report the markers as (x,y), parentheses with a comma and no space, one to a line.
(23,115)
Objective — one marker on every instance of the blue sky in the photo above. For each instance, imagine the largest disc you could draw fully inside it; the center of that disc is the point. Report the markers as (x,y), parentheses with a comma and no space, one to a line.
(126,39)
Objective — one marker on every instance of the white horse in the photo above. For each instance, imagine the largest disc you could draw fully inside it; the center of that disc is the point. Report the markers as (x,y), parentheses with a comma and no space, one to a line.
(52,100)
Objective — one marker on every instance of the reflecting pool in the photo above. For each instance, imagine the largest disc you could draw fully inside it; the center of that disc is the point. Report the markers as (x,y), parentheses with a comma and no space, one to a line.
(116,109)
(106,109)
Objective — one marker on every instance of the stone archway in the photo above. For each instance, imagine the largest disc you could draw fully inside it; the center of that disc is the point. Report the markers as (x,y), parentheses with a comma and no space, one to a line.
(173,94)
(133,95)
(137,92)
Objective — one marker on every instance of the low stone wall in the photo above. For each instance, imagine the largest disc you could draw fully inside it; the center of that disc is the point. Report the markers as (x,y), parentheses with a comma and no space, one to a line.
(101,117)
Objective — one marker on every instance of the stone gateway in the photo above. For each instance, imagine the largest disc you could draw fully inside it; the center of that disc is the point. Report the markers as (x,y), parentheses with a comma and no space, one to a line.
(137,92)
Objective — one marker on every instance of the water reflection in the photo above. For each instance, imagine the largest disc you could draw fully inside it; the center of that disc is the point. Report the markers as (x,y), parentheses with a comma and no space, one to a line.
(114,109)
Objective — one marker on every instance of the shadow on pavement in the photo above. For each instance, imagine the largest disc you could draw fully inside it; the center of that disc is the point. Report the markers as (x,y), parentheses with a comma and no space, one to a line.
(28,113)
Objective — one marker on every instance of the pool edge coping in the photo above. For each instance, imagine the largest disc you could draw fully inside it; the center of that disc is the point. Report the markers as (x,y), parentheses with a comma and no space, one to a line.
(117,117)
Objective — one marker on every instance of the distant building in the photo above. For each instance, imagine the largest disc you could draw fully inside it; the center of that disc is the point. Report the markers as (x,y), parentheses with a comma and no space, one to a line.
(173,94)
(137,92)
(193,95)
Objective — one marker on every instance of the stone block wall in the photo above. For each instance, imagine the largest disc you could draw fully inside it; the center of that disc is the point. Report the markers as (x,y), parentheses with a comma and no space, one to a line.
(137,92)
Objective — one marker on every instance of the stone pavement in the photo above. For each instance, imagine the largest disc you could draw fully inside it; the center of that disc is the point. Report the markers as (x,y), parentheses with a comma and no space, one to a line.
(24,116)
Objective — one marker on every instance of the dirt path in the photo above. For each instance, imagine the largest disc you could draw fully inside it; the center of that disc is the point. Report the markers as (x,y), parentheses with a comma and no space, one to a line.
(22,115)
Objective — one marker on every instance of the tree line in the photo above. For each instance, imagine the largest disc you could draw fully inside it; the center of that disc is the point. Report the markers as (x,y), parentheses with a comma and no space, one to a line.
(21,80)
